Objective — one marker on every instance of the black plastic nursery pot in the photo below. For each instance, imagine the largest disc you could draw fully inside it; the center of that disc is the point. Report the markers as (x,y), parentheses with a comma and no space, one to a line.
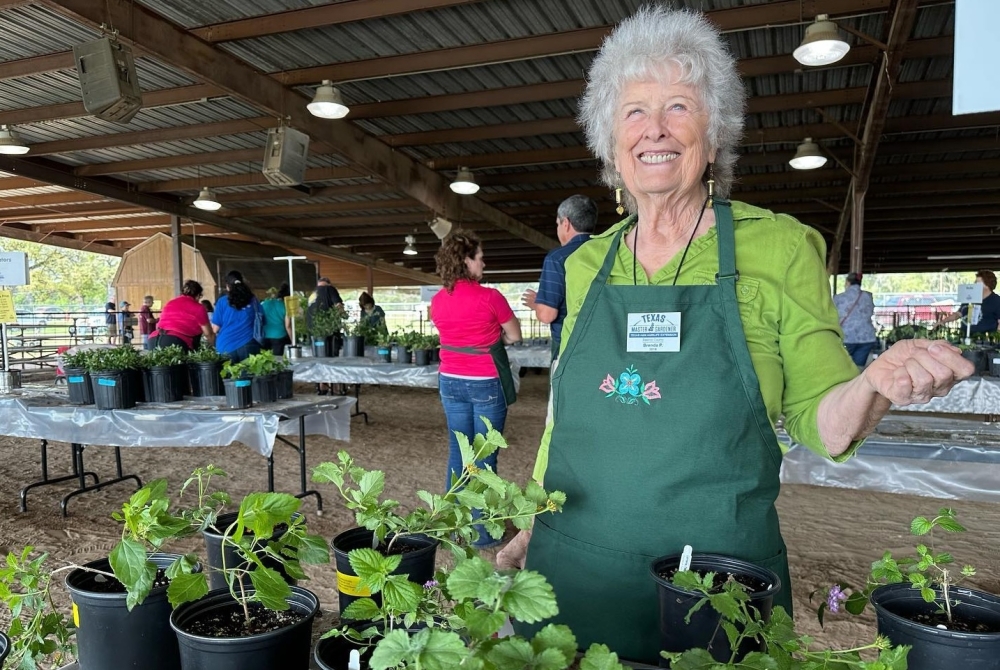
(205,379)
(422,357)
(417,564)
(214,547)
(79,386)
(319,348)
(264,388)
(115,389)
(333,653)
(979,358)
(285,382)
(239,393)
(704,630)
(994,363)
(4,648)
(286,648)
(109,636)
(354,346)
(935,648)
(165,383)
(403,355)
(385,354)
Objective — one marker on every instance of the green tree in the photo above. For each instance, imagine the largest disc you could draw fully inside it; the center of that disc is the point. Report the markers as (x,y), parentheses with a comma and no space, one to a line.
(62,277)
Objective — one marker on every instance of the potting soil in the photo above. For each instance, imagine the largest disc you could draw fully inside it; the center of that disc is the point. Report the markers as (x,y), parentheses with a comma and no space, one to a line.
(957,623)
(749,582)
(231,622)
(101,584)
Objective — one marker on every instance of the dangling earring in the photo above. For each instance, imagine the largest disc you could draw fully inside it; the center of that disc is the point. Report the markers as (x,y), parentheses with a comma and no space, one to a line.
(618,201)
(711,182)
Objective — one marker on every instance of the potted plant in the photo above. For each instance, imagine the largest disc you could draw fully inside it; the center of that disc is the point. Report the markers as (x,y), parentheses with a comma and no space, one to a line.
(434,344)
(403,353)
(284,378)
(355,336)
(324,328)
(115,378)
(777,645)
(205,368)
(918,602)
(384,342)
(263,369)
(165,374)
(75,367)
(421,346)
(446,519)
(238,385)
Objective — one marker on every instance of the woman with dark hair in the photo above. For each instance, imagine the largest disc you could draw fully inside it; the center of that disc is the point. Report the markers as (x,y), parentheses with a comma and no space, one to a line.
(183,321)
(207,304)
(277,325)
(372,314)
(474,323)
(234,318)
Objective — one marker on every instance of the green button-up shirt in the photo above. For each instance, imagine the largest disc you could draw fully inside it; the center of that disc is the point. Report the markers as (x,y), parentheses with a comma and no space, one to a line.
(786,308)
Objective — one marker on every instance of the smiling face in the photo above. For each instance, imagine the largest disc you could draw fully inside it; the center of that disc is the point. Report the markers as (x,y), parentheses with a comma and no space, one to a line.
(661,138)
(476,265)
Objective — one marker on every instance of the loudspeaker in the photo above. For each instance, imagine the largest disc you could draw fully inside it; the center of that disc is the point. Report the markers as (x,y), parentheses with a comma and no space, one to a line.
(285,156)
(108,80)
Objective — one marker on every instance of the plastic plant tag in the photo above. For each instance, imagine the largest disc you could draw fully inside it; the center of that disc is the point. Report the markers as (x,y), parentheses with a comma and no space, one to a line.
(685,559)
(75,380)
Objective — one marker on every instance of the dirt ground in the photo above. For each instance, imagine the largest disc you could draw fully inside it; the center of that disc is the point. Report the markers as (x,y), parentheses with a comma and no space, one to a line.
(832,534)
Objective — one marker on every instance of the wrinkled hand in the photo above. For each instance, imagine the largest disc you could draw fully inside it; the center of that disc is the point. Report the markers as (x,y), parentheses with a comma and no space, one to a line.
(528,298)
(911,372)
(513,556)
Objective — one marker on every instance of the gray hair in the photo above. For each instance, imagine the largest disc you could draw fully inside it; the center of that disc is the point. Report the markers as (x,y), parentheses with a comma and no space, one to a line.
(581,212)
(637,49)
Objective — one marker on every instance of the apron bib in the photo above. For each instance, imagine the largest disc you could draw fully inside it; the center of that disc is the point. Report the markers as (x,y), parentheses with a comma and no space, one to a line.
(655,448)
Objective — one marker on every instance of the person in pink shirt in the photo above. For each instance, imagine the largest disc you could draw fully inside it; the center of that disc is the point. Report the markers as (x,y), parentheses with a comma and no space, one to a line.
(183,321)
(474,323)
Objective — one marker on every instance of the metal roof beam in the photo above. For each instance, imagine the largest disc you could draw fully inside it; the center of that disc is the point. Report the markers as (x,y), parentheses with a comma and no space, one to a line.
(179,48)
(58,241)
(248,179)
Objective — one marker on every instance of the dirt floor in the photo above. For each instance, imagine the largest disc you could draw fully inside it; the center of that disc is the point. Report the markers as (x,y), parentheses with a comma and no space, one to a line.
(832,534)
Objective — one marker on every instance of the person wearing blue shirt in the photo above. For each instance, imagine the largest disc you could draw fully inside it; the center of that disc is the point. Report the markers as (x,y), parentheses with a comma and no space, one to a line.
(576,220)
(233,319)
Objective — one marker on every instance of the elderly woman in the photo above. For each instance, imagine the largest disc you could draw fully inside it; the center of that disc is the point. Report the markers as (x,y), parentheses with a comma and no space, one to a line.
(474,322)
(692,326)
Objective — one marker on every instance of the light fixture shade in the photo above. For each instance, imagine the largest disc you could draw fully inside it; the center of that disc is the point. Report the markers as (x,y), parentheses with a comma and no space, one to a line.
(808,156)
(465,183)
(206,200)
(440,227)
(11,142)
(327,103)
(409,249)
(822,44)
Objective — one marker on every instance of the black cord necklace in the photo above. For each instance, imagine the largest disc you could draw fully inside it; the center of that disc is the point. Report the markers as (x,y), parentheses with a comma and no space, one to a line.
(635,244)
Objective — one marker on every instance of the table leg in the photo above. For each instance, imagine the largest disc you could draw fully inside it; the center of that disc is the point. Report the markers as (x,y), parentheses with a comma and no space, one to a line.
(357,404)
(301,448)
(121,477)
(46,480)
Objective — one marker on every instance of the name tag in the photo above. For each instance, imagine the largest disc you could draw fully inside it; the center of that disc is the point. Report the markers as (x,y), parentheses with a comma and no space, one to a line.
(654,332)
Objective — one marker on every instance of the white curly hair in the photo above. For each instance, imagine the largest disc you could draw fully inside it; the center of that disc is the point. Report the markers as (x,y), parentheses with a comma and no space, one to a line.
(638,49)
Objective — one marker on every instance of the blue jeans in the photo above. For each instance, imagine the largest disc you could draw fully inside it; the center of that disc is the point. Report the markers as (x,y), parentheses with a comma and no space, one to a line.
(859,351)
(465,402)
(249,349)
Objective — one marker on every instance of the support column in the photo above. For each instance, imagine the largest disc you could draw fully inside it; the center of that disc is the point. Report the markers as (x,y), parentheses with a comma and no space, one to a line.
(858,227)
(371,281)
(175,238)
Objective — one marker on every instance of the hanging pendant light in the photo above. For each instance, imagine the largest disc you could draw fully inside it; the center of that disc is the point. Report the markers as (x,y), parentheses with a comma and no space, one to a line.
(465,183)
(206,200)
(11,142)
(808,156)
(327,103)
(409,249)
(822,44)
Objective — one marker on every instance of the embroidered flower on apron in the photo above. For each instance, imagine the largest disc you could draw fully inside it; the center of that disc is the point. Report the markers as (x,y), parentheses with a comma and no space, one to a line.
(626,389)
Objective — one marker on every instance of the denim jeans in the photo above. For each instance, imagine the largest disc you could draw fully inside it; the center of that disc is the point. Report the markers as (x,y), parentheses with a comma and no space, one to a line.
(465,402)
(859,352)
(249,349)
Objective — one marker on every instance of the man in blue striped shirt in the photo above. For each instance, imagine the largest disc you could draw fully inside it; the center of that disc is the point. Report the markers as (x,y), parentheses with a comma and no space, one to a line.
(576,220)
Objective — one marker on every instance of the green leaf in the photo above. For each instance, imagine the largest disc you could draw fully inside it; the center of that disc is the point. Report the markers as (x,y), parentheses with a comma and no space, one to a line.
(556,637)
(391,651)
(401,595)
(535,493)
(470,499)
(372,483)
(855,603)
(362,609)
(511,654)
(950,525)
(599,657)
(367,564)
(465,580)
(184,588)
(529,598)
(920,526)
(328,473)
(481,624)
(492,480)
(465,448)
(271,589)
(443,650)
(313,550)
(928,594)
(261,512)
(725,604)
(128,562)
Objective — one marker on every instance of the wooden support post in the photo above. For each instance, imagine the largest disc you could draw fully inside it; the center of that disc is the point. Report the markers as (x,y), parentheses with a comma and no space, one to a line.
(371,281)
(858,227)
(175,238)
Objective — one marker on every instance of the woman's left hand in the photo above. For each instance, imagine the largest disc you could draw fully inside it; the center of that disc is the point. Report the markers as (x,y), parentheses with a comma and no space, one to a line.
(911,372)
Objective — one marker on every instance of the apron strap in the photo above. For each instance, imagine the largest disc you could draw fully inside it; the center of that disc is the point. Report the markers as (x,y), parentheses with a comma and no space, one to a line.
(498,352)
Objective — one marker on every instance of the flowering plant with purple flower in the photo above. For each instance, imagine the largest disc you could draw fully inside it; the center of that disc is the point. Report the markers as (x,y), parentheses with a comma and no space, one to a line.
(930,571)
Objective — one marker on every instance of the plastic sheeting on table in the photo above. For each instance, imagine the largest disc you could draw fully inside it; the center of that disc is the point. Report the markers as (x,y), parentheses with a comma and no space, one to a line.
(923,456)
(360,370)
(978,395)
(198,422)
(531,356)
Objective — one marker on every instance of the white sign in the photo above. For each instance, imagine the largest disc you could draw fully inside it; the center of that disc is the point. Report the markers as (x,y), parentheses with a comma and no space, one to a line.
(13,268)
(654,331)
(428,292)
(970,294)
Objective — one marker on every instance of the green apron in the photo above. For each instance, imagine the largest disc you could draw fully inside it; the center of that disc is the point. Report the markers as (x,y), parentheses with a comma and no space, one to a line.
(498,352)
(655,450)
